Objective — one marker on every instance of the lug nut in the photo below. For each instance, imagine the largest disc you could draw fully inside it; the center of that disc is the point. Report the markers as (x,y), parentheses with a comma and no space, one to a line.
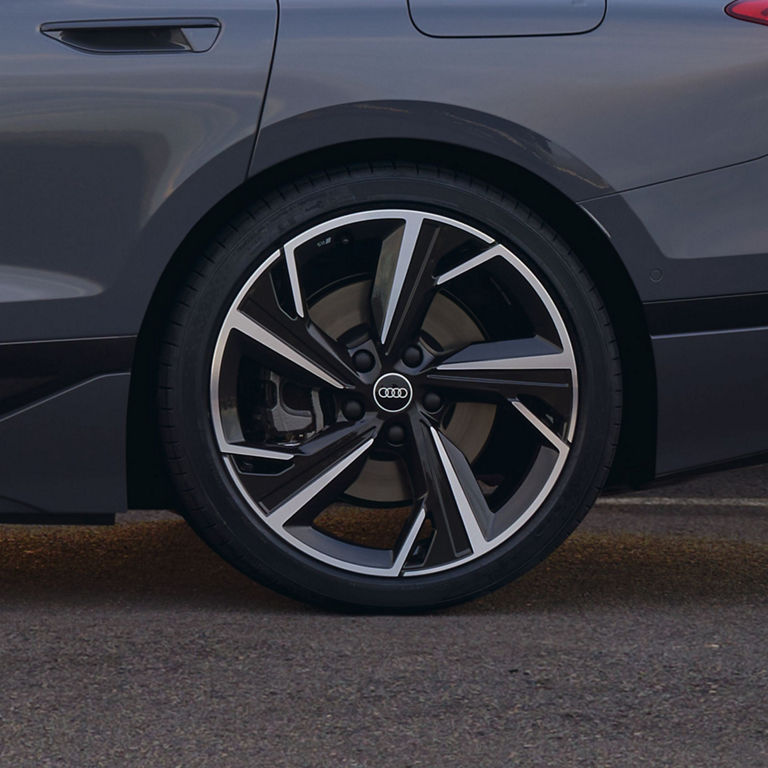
(363,361)
(433,402)
(413,356)
(396,435)
(353,410)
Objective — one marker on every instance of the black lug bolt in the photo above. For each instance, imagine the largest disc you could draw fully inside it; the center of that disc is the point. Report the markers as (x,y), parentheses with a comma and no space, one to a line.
(363,361)
(353,410)
(396,435)
(413,357)
(433,402)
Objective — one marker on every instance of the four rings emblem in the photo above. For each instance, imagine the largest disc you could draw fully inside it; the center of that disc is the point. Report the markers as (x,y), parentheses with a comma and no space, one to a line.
(396,392)
(392,392)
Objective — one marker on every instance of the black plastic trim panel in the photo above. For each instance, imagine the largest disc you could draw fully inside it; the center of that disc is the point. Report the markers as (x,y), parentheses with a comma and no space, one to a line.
(30,371)
(15,512)
(711,397)
(65,454)
(714,313)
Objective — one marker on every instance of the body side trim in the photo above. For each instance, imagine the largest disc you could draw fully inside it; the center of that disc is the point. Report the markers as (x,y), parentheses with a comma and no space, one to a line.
(31,371)
(710,314)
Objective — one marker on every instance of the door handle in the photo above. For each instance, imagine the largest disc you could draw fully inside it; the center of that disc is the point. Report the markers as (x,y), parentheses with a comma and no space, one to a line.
(125,36)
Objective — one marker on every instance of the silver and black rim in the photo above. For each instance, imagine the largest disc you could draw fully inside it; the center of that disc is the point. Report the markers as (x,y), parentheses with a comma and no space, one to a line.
(393,393)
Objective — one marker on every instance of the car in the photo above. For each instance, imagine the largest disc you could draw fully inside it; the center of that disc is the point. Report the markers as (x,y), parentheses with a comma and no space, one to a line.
(379,295)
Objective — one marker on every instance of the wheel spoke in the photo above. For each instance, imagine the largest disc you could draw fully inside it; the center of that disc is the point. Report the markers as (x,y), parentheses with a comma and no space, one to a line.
(443,478)
(321,470)
(534,353)
(242,449)
(461,481)
(287,341)
(490,253)
(560,445)
(407,540)
(395,262)
(508,369)
(404,285)
(293,277)
(258,333)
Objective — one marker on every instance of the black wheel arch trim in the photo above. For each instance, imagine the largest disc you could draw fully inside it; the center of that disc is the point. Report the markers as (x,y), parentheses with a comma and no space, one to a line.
(430,122)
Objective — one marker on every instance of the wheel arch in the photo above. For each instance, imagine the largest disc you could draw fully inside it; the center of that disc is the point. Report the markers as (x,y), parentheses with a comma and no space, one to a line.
(636,455)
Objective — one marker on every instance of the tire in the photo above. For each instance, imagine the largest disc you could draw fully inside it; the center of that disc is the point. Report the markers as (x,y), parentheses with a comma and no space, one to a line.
(389,387)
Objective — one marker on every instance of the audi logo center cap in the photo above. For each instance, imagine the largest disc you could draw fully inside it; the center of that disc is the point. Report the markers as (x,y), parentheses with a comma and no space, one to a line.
(392,392)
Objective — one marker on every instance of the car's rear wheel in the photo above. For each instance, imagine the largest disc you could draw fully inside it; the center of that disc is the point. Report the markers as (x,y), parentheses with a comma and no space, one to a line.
(388,387)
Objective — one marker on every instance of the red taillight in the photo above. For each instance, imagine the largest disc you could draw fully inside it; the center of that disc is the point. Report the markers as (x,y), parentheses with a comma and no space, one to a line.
(749,10)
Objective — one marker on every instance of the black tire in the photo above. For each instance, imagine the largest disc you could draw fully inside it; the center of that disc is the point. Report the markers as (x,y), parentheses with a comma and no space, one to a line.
(224,516)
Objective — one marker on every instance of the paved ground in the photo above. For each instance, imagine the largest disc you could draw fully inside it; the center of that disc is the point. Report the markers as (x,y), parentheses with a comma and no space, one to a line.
(641,642)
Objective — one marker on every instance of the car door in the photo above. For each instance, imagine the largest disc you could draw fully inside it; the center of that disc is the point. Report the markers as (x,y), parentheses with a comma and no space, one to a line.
(121,123)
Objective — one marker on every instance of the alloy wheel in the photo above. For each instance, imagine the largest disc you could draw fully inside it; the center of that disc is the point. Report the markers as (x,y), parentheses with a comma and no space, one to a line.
(393,392)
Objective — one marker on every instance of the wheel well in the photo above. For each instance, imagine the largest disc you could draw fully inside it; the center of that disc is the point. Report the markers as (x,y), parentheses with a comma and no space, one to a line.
(148,485)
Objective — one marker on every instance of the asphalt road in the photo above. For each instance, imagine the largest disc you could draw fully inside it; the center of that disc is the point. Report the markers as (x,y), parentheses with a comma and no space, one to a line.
(641,642)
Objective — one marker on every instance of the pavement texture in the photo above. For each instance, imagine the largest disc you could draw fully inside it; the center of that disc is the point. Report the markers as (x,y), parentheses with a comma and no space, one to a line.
(642,641)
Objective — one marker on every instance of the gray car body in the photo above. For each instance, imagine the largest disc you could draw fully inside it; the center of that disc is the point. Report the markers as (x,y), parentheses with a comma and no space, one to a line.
(642,140)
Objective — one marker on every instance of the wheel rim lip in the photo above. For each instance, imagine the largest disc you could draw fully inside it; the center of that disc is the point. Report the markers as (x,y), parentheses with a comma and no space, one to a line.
(379,214)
